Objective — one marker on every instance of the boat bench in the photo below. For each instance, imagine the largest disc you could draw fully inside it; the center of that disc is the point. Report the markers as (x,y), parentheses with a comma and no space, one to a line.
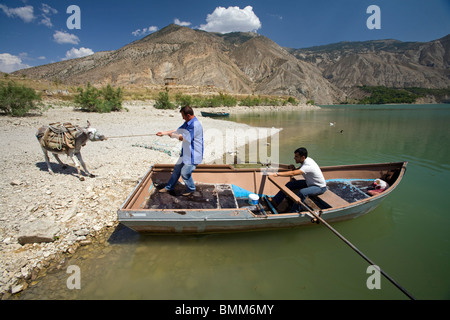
(329,198)
(332,199)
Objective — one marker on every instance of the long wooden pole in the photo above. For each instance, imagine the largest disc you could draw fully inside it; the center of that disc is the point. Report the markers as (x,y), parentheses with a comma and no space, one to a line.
(317,218)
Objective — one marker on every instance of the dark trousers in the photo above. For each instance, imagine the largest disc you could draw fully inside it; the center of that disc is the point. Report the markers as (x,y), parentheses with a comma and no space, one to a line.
(304,192)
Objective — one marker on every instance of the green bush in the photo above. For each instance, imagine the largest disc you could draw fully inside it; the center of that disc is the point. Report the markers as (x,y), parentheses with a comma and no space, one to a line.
(18,100)
(252,101)
(183,100)
(112,99)
(293,101)
(163,102)
(221,100)
(226,100)
(102,100)
(88,99)
(385,95)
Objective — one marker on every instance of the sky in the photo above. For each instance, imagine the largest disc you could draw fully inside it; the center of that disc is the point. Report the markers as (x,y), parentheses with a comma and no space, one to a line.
(34,32)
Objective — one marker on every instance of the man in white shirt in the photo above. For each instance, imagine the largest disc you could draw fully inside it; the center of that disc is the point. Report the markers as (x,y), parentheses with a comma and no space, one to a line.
(313,185)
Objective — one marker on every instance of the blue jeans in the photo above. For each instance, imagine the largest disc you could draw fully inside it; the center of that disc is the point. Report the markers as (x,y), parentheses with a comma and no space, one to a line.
(304,192)
(185,171)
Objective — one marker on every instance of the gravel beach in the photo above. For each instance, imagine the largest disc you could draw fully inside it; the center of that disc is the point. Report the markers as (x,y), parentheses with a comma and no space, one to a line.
(70,211)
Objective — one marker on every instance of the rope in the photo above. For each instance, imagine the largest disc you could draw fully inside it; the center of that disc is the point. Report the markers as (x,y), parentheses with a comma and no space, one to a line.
(61,134)
(135,135)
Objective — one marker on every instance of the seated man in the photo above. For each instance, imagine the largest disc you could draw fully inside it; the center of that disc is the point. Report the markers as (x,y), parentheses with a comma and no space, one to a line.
(313,185)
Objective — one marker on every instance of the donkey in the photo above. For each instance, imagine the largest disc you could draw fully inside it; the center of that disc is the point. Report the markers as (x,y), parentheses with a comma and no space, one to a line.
(67,139)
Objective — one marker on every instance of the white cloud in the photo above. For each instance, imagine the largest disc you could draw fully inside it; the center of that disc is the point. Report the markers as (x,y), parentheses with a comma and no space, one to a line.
(78,53)
(10,63)
(276,16)
(225,20)
(181,23)
(47,12)
(25,13)
(46,9)
(145,31)
(64,37)
(46,21)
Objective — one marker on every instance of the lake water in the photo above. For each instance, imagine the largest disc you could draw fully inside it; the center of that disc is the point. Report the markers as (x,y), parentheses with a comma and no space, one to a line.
(407,235)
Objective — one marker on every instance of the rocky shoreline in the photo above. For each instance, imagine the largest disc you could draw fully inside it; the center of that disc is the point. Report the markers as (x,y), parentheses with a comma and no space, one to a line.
(45,218)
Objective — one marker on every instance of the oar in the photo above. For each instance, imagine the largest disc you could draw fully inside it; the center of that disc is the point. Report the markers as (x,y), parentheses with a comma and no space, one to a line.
(316,218)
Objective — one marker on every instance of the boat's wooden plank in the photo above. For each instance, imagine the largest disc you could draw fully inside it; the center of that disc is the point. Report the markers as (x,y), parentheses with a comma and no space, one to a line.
(311,204)
(286,190)
(329,197)
(332,199)
(290,194)
(139,195)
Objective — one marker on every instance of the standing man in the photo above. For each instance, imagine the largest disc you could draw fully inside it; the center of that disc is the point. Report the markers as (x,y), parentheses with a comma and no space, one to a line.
(313,185)
(191,134)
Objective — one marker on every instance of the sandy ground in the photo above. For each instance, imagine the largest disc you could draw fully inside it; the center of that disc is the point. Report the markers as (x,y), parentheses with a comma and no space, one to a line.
(78,210)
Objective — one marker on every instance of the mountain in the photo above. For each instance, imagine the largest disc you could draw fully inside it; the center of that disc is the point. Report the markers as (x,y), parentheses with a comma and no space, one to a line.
(388,63)
(248,63)
(273,70)
(245,63)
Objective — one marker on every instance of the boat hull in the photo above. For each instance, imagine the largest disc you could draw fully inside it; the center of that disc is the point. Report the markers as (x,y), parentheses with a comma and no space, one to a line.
(214,221)
(136,216)
(215,114)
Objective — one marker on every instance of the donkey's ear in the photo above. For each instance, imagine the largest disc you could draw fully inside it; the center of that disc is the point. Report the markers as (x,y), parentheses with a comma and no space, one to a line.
(88,124)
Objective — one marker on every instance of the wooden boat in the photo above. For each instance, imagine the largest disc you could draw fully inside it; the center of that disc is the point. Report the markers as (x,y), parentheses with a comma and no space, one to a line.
(220,203)
(215,114)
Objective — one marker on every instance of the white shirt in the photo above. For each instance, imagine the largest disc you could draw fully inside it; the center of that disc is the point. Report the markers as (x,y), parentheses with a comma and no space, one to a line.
(312,173)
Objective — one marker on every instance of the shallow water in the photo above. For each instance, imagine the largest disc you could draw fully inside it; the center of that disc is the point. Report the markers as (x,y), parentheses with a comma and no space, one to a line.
(407,235)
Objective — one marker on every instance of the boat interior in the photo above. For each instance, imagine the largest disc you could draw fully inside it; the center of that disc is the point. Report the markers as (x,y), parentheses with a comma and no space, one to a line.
(224,187)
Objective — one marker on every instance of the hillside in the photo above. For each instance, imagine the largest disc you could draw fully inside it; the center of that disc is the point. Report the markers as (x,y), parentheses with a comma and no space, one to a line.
(388,63)
(248,63)
(197,58)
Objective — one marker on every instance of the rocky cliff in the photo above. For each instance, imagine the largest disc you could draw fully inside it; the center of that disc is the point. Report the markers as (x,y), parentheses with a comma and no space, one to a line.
(388,63)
